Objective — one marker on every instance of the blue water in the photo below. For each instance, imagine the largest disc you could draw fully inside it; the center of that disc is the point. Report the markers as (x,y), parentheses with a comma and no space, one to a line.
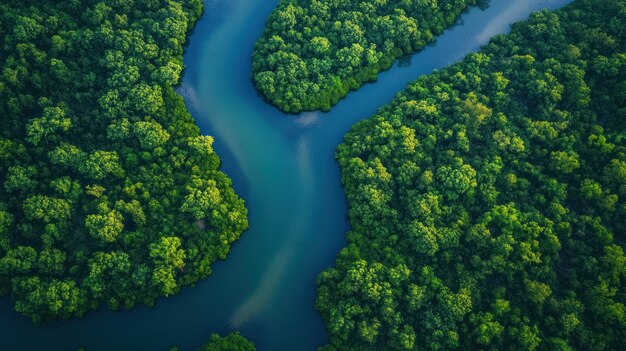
(283,166)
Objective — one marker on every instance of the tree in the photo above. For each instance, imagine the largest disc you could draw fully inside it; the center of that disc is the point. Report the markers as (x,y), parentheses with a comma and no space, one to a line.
(52,121)
(320,45)
(564,161)
(202,197)
(20,178)
(167,252)
(167,257)
(150,134)
(105,226)
(146,99)
(46,209)
(101,164)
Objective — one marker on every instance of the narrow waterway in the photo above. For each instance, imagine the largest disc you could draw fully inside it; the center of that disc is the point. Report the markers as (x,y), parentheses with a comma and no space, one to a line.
(283,166)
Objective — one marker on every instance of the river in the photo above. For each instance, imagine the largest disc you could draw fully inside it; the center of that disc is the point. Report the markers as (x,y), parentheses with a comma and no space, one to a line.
(283,166)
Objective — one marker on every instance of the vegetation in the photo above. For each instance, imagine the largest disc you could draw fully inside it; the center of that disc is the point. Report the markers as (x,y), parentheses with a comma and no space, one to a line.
(107,191)
(487,201)
(313,52)
(231,342)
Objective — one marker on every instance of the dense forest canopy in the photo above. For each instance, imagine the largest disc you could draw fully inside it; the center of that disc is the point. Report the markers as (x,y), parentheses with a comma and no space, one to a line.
(313,52)
(107,191)
(487,201)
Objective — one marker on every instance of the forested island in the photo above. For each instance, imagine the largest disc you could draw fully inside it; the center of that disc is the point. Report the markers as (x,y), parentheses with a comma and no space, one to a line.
(487,201)
(313,52)
(108,193)
(231,342)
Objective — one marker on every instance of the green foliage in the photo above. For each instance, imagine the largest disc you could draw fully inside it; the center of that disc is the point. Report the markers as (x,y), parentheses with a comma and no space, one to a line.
(231,342)
(313,52)
(487,201)
(167,257)
(52,121)
(106,226)
(104,176)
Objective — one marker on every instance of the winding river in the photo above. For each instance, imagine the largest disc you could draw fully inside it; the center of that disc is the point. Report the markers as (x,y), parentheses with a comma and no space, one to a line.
(283,166)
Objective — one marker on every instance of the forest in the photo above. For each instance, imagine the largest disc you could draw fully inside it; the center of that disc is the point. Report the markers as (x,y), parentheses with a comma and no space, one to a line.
(487,200)
(108,192)
(313,52)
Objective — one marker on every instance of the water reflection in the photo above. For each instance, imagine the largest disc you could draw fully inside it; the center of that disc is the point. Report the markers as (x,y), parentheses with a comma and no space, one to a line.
(271,281)
(307,119)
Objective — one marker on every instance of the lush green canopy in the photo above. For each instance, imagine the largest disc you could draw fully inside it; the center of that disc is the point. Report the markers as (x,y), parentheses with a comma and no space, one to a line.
(107,191)
(487,201)
(314,51)
(231,342)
